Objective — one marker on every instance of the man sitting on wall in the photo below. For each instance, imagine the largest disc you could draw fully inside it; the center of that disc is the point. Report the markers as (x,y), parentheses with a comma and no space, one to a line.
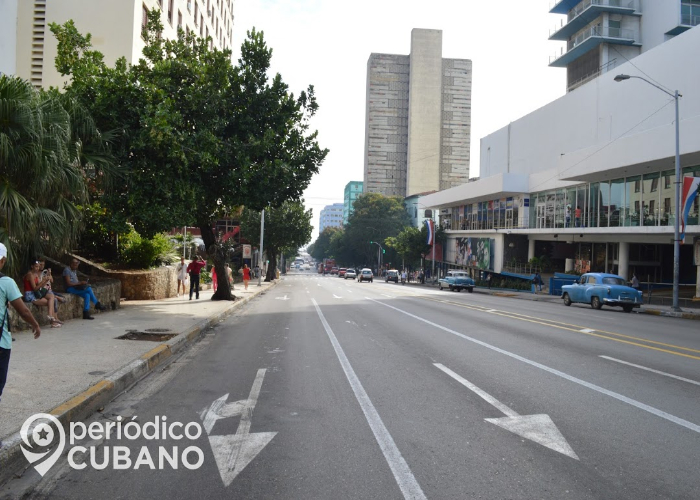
(81,289)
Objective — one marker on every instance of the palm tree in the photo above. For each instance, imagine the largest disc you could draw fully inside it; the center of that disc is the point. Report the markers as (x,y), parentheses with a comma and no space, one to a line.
(50,152)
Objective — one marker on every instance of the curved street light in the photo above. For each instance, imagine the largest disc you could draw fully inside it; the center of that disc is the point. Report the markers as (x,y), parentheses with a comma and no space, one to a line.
(676,221)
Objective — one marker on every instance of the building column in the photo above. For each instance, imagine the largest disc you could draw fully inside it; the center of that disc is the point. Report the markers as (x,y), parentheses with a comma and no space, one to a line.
(697,284)
(530,250)
(623,260)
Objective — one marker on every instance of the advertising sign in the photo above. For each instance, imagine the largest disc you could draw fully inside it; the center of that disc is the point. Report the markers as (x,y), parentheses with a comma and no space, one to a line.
(247,253)
(474,252)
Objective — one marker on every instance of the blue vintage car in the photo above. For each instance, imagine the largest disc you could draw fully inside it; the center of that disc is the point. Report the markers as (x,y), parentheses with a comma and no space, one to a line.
(457,280)
(602,289)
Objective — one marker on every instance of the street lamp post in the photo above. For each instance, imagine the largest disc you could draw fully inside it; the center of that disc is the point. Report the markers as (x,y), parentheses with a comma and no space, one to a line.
(379,256)
(676,219)
(260,254)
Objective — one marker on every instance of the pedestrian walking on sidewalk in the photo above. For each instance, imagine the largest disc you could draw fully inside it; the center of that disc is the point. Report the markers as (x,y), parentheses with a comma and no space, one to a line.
(193,269)
(246,275)
(229,275)
(537,280)
(214,278)
(635,282)
(181,271)
(81,288)
(10,294)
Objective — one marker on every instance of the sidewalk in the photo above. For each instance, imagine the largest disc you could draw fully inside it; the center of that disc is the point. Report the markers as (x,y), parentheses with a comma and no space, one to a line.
(656,310)
(71,371)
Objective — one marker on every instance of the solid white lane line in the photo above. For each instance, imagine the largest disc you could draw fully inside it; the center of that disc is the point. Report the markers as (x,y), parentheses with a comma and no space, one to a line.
(553,371)
(652,370)
(402,473)
(484,395)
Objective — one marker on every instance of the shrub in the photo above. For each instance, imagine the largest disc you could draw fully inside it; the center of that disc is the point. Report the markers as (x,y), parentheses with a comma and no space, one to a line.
(141,253)
(205,277)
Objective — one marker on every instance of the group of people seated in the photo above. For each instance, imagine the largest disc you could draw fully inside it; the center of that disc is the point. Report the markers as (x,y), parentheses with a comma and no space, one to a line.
(38,290)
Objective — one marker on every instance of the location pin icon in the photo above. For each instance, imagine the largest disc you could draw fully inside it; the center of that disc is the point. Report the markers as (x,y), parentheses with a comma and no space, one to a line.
(41,433)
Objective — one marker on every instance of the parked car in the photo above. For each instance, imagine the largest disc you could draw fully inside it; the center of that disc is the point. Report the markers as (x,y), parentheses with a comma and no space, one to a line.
(350,273)
(457,280)
(392,275)
(602,289)
(365,275)
(341,272)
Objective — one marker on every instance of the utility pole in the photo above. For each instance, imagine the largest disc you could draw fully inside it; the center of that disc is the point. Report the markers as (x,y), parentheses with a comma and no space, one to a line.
(260,260)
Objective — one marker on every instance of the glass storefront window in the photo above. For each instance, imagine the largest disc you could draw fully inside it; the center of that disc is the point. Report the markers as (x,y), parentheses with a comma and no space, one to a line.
(650,198)
(594,204)
(632,203)
(617,200)
(560,209)
(667,198)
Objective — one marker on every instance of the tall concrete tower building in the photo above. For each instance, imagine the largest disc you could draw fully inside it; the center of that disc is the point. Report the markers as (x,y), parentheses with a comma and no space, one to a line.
(417,119)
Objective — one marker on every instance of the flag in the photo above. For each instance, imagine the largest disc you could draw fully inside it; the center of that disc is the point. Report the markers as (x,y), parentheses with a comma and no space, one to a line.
(690,191)
(431,229)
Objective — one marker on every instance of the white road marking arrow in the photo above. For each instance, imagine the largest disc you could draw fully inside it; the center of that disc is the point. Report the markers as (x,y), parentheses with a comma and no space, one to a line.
(336,297)
(282,298)
(234,452)
(537,428)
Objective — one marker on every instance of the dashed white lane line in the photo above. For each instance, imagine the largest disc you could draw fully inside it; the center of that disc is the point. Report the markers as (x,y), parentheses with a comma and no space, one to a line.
(402,473)
(554,371)
(652,370)
(586,330)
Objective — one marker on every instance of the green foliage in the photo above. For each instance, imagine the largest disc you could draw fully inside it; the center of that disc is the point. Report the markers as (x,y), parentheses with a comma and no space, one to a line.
(501,282)
(321,248)
(51,153)
(287,228)
(100,231)
(141,253)
(205,277)
(199,135)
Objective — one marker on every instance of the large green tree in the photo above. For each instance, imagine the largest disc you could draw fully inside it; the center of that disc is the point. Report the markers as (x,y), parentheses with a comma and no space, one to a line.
(375,217)
(287,228)
(51,155)
(321,248)
(200,136)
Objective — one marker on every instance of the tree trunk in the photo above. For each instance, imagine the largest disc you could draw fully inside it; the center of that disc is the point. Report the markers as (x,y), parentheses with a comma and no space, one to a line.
(272,267)
(216,253)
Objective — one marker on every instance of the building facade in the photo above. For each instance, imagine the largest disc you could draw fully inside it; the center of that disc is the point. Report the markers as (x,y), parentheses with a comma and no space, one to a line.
(331,216)
(603,34)
(588,181)
(417,119)
(115,27)
(353,190)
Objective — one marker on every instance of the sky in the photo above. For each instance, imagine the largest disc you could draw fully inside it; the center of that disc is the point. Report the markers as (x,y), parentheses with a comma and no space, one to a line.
(326,43)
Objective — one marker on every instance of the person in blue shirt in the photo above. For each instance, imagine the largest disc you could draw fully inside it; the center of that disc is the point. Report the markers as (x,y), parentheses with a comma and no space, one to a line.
(10,294)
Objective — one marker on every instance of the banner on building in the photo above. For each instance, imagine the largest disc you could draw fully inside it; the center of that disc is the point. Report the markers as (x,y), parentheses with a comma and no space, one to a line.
(431,229)
(690,192)
(474,252)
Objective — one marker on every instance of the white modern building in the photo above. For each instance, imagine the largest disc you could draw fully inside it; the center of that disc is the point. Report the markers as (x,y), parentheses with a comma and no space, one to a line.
(417,119)
(603,34)
(28,48)
(588,180)
(331,216)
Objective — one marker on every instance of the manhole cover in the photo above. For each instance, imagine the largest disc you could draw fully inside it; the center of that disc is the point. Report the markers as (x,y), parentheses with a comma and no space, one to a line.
(157,330)
(153,337)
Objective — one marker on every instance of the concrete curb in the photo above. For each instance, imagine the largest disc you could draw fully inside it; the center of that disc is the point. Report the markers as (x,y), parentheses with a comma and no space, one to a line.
(81,406)
(670,314)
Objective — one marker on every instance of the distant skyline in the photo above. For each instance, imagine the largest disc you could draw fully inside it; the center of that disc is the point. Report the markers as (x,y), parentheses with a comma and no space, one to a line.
(326,44)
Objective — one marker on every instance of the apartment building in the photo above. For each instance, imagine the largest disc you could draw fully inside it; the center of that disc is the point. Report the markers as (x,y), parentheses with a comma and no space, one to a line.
(417,119)
(115,27)
(603,34)
(353,190)
(331,216)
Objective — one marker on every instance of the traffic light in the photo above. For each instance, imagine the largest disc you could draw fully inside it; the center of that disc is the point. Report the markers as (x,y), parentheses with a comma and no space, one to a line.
(383,251)
(371,242)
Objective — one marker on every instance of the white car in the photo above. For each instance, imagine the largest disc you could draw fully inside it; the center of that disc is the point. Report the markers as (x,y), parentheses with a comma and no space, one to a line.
(366,275)
(350,273)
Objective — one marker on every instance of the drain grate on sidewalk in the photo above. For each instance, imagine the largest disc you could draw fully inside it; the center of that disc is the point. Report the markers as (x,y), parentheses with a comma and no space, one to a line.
(150,334)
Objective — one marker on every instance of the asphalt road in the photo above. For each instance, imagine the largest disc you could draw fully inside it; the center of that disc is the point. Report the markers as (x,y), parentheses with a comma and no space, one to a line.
(328,388)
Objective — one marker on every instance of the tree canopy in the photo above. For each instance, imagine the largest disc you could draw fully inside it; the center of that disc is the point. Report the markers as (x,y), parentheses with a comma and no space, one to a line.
(198,135)
(287,228)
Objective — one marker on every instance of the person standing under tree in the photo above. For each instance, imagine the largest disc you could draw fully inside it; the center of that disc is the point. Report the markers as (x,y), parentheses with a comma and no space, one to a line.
(193,269)
(10,294)
(181,271)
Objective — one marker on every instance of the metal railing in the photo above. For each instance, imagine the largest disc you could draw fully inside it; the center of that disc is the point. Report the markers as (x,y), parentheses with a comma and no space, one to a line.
(595,31)
(690,20)
(603,69)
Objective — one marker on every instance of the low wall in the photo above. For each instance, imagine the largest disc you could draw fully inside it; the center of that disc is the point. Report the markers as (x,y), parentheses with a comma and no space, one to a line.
(152,284)
(107,291)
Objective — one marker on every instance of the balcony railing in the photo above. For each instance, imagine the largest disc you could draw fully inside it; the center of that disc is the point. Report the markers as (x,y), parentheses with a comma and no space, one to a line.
(690,20)
(599,32)
(586,4)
